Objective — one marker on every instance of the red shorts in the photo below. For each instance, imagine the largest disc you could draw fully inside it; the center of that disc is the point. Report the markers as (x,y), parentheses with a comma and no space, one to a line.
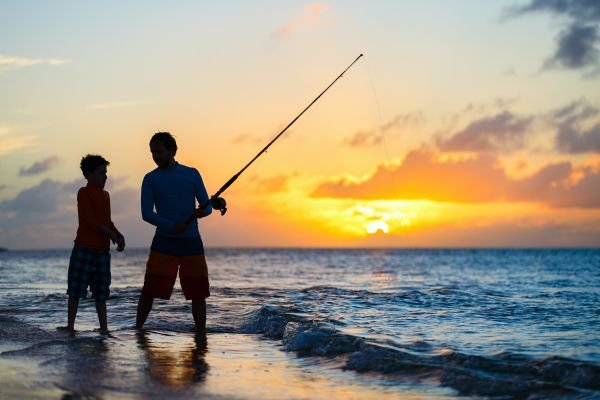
(161,272)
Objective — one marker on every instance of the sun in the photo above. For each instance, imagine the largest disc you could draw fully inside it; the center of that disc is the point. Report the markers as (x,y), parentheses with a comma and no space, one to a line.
(378,225)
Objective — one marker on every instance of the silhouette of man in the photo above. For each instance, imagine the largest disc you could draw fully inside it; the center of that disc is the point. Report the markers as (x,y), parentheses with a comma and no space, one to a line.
(169,196)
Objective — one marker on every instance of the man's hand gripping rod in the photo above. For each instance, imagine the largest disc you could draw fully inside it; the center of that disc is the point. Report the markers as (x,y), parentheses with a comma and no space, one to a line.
(218,203)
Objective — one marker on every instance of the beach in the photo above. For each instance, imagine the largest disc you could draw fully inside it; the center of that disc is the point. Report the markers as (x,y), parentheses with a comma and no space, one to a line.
(314,324)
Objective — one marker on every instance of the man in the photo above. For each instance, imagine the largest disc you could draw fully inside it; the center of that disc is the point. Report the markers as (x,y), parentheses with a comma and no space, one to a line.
(169,195)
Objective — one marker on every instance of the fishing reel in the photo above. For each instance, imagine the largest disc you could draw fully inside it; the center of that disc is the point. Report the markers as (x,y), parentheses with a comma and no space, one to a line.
(219,203)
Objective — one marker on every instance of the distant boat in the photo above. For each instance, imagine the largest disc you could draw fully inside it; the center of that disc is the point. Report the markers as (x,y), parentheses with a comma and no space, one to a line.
(3,249)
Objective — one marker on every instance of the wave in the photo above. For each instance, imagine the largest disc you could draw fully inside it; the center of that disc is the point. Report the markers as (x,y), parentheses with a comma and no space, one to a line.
(503,374)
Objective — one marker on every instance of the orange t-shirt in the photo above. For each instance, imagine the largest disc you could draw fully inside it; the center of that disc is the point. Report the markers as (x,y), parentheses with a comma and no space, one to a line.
(93,209)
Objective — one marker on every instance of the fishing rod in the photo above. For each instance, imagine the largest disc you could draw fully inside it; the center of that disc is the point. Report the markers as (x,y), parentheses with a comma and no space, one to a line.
(218,203)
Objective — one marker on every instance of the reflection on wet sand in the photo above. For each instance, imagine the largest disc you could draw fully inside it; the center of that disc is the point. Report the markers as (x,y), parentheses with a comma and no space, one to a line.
(176,361)
(87,366)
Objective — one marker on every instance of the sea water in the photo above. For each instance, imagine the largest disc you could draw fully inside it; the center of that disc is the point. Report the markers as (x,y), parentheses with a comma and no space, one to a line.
(433,323)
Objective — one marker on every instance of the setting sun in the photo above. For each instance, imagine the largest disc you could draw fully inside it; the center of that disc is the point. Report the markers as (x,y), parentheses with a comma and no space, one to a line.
(375,226)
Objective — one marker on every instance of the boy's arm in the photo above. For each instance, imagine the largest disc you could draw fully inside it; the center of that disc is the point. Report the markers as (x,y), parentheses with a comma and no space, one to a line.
(147,204)
(116,236)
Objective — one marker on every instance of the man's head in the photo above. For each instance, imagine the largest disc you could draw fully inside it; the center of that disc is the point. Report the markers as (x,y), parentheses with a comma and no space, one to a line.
(163,148)
(93,167)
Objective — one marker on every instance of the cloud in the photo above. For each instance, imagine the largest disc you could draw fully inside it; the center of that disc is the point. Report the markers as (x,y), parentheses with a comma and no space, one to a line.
(553,185)
(41,199)
(502,132)
(375,137)
(576,47)
(426,174)
(577,128)
(576,43)
(45,215)
(275,184)
(364,139)
(246,138)
(308,17)
(465,180)
(14,62)
(39,166)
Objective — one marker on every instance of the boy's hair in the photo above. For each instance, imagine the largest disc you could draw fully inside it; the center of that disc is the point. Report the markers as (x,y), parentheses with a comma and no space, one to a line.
(90,162)
(166,139)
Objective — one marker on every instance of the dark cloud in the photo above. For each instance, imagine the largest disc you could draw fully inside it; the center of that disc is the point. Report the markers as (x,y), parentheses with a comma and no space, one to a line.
(580,10)
(502,132)
(375,137)
(39,167)
(44,198)
(572,140)
(425,175)
(45,215)
(576,47)
(246,138)
(572,135)
(124,201)
(576,43)
(364,139)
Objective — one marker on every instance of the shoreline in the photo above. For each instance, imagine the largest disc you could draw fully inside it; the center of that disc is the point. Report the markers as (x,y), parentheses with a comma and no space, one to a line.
(150,365)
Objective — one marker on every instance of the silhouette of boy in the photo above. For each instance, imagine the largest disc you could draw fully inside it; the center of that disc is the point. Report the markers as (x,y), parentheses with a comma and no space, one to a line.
(90,259)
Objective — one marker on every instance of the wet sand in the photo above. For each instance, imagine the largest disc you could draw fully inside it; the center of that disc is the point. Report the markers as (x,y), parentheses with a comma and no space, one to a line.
(148,365)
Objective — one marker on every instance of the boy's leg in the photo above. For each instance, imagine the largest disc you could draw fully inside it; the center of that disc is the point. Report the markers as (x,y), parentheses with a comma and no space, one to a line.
(199,314)
(78,278)
(143,309)
(73,305)
(101,310)
(100,285)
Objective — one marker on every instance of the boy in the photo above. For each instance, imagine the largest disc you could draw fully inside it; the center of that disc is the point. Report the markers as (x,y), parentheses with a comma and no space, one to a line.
(90,258)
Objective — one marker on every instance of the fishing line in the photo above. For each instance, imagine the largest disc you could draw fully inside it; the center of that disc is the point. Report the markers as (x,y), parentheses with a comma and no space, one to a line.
(218,203)
(380,119)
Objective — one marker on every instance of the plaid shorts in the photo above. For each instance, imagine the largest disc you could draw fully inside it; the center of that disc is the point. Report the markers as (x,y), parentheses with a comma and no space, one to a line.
(89,267)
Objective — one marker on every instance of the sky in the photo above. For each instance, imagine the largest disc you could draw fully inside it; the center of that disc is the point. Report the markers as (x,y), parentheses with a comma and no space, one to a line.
(466,123)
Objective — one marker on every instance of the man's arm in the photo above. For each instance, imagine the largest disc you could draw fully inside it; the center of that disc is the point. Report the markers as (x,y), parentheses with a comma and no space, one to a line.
(201,196)
(147,204)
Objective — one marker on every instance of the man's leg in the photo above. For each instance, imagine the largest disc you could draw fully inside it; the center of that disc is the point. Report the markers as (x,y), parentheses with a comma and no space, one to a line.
(101,310)
(143,309)
(199,314)
(73,305)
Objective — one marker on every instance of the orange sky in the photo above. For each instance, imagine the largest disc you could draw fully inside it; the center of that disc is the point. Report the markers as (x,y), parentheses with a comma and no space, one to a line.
(465,124)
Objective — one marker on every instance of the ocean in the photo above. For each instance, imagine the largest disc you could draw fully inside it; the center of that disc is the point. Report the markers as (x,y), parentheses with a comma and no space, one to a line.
(315,324)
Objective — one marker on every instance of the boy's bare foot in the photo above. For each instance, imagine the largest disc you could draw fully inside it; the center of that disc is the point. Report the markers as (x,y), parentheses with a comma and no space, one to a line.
(67,329)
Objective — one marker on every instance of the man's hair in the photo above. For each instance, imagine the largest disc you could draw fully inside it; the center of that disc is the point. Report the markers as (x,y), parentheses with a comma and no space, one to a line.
(90,162)
(166,139)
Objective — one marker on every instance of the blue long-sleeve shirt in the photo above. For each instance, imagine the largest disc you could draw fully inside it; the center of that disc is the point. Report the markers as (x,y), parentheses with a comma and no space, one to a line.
(169,196)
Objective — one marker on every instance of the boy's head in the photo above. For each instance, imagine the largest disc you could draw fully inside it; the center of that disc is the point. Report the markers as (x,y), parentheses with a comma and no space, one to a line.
(163,148)
(93,167)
